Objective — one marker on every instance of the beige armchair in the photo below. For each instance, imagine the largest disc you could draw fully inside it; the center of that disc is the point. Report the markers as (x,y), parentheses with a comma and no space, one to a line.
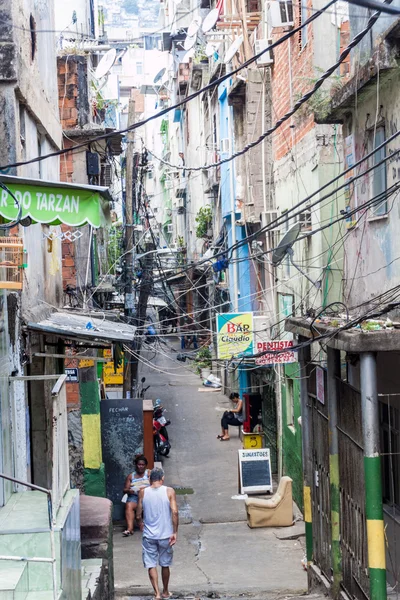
(273,512)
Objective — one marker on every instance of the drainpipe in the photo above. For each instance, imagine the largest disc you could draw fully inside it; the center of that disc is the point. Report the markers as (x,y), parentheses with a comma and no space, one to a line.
(372,475)
(235,265)
(333,394)
(304,358)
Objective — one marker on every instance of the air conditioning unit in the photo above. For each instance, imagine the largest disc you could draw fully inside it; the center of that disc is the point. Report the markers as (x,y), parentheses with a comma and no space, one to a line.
(281,13)
(266,59)
(170,228)
(268,217)
(225,145)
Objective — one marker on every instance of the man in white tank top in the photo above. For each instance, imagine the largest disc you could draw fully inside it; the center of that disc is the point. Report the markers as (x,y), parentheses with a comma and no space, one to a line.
(157,515)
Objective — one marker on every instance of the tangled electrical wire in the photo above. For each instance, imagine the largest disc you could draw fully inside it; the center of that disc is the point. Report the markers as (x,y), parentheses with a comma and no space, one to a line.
(18,218)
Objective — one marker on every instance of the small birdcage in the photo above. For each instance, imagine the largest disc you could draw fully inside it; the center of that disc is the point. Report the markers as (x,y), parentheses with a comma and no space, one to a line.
(11,263)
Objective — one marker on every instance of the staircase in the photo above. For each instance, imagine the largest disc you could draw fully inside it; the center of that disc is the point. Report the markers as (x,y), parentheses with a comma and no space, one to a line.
(25,533)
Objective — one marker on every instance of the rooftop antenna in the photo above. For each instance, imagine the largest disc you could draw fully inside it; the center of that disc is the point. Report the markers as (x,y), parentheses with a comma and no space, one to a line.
(194,27)
(105,64)
(159,75)
(210,20)
(233,48)
(189,42)
(285,248)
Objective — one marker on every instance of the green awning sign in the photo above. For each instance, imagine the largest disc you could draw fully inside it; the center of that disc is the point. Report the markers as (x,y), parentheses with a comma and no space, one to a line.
(70,205)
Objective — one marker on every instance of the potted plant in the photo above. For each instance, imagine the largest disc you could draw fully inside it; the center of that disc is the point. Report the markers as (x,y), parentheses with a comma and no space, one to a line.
(203,362)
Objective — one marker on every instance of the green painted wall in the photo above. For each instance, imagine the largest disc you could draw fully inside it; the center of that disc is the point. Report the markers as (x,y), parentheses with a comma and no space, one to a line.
(94,473)
(95,482)
(291,435)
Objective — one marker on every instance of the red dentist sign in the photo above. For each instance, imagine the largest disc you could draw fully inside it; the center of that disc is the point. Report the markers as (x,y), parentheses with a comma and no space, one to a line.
(287,352)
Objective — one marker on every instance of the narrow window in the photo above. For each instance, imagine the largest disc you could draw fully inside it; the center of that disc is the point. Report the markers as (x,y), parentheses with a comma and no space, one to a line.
(379,182)
(32,27)
(303,16)
(289,402)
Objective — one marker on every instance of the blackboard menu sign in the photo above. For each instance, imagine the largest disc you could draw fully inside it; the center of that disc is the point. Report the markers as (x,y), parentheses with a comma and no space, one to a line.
(255,471)
(122,439)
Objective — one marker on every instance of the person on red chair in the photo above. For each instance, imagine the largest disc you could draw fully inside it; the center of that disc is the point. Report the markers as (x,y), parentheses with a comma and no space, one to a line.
(233,417)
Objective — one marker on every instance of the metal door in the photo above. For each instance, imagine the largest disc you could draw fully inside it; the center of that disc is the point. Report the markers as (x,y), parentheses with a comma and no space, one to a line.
(321,511)
(353,534)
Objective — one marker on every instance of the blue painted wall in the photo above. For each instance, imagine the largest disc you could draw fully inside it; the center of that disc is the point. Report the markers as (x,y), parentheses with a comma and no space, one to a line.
(244,265)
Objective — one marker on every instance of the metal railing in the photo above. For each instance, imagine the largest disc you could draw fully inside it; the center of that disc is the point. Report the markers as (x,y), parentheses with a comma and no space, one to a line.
(51,560)
(60,470)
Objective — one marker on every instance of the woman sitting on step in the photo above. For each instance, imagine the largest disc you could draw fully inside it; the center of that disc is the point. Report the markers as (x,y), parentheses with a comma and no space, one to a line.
(232,417)
(139,479)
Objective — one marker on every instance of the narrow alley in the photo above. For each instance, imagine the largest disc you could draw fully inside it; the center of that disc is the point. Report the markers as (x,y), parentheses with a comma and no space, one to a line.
(217,553)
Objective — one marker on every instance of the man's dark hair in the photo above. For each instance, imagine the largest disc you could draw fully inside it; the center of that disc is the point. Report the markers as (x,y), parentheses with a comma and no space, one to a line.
(233,395)
(156,475)
(140,458)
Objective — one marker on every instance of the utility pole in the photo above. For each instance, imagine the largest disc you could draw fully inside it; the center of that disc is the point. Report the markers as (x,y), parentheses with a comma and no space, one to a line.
(372,477)
(129,242)
(304,359)
(146,284)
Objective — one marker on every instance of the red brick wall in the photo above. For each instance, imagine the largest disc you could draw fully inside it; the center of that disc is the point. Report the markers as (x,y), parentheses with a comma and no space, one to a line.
(301,60)
(344,41)
(68,260)
(67,76)
(67,73)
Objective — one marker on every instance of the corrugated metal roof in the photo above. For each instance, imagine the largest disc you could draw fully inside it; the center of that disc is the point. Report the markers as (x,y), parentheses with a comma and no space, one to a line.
(67,325)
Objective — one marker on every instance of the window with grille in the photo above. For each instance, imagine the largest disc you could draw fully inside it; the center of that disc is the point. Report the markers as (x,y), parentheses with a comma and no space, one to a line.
(303,16)
(390,447)
(376,137)
(305,220)
(105,176)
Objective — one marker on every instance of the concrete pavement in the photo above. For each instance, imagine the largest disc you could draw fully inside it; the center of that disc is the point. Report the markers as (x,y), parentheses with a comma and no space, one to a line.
(217,554)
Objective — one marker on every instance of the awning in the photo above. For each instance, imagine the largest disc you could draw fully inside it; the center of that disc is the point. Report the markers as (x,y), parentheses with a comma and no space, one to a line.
(83,327)
(159,302)
(55,202)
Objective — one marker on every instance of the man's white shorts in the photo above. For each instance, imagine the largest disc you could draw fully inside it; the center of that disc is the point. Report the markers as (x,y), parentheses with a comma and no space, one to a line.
(156,552)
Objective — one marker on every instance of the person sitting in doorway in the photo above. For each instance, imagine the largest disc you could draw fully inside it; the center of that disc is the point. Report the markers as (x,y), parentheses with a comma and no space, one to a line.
(136,481)
(233,417)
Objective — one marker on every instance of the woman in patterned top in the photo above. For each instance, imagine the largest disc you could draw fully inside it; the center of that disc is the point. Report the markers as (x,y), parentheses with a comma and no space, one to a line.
(139,479)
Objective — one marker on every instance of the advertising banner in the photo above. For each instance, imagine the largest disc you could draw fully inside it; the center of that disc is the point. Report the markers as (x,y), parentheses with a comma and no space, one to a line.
(288,352)
(235,335)
(110,376)
(55,205)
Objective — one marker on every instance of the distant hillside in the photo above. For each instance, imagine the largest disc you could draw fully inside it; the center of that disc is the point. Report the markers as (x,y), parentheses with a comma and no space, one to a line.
(119,13)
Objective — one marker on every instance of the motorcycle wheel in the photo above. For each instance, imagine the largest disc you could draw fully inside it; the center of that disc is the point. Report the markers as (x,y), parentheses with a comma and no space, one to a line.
(164,452)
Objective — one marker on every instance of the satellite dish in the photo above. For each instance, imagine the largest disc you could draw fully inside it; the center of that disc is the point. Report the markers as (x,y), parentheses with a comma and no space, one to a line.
(159,75)
(189,42)
(194,27)
(285,248)
(233,48)
(285,244)
(188,56)
(105,64)
(210,20)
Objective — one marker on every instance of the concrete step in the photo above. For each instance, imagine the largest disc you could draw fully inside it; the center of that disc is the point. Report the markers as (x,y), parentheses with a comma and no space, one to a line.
(24,531)
(13,580)
(44,595)
(91,570)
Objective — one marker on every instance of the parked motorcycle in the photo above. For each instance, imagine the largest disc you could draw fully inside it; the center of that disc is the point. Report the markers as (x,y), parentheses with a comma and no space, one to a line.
(162,445)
